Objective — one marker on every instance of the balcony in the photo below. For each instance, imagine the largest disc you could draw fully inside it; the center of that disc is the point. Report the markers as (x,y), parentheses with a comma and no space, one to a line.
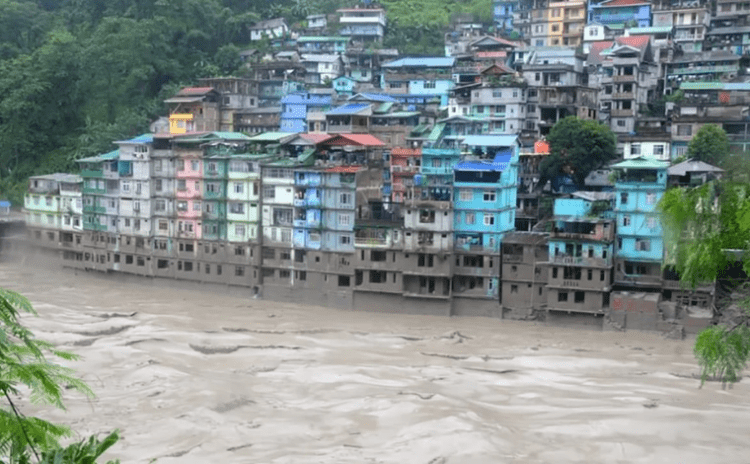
(623,96)
(624,78)
(405,169)
(372,242)
(94,209)
(704,69)
(92,173)
(620,113)
(437,171)
(313,202)
(567,260)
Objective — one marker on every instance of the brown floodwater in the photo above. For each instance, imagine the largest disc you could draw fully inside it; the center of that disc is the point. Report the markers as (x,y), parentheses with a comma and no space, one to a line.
(197,376)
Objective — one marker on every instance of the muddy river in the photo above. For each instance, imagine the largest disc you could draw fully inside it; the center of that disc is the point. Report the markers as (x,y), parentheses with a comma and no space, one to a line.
(196,376)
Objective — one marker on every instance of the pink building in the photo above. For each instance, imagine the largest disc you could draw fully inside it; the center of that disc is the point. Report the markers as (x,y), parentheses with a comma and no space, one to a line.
(189,191)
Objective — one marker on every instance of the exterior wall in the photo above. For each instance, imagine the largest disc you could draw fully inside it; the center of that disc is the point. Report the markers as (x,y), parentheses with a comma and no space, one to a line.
(659,150)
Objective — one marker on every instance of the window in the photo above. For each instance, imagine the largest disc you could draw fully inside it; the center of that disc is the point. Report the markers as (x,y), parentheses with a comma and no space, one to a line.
(489,196)
(237,208)
(578,297)
(426,216)
(562,296)
(623,198)
(344,220)
(659,150)
(160,205)
(635,149)
(514,289)
(196,206)
(346,240)
(238,187)
(489,220)
(212,187)
(195,165)
(269,192)
(125,186)
(181,184)
(470,218)
(554,273)
(651,223)
(182,206)
(650,198)
(429,84)
(620,123)
(239,271)
(684,130)
(163,225)
(346,198)
(239,251)
(642,245)
(465,194)
(625,221)
(210,208)
(239,230)
(344,281)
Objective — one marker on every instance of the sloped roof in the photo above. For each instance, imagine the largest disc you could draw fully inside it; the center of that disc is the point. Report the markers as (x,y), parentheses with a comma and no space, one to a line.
(642,162)
(398,151)
(499,163)
(320,57)
(322,38)
(595,53)
(351,108)
(144,138)
(434,62)
(60,177)
(315,138)
(344,169)
(594,196)
(268,24)
(270,136)
(741,86)
(690,166)
(636,41)
(376,97)
(364,140)
(621,3)
(113,155)
(652,30)
(194,91)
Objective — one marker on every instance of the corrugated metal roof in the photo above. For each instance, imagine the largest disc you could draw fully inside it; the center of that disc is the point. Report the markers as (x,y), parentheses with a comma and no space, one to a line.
(344,169)
(436,62)
(383,107)
(365,140)
(192,91)
(729,30)
(437,131)
(329,38)
(490,140)
(315,138)
(60,177)
(620,3)
(398,151)
(691,166)
(270,136)
(500,163)
(377,97)
(144,138)
(351,108)
(642,162)
(320,58)
(741,86)
(113,155)
(650,30)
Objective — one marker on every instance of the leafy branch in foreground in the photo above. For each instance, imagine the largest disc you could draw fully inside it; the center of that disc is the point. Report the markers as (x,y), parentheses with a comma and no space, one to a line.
(24,367)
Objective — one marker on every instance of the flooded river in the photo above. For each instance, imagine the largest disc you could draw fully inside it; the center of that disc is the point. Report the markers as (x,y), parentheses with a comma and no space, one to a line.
(195,376)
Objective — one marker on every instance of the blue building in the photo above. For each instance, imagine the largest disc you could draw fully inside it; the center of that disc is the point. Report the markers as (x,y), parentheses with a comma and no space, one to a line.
(295,106)
(344,85)
(307,209)
(617,14)
(581,255)
(484,193)
(640,246)
(503,13)
(425,77)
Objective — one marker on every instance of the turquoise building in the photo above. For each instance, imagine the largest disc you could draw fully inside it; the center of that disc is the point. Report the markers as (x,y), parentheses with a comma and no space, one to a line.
(640,246)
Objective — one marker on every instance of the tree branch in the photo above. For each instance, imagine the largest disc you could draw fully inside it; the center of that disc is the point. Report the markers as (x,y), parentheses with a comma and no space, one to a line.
(23,429)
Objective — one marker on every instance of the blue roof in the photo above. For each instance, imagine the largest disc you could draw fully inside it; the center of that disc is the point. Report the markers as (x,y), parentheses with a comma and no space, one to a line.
(4,204)
(144,138)
(379,97)
(304,97)
(490,140)
(500,163)
(351,108)
(437,62)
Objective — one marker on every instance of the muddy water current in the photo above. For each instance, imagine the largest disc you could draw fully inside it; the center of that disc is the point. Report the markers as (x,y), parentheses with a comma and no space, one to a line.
(197,376)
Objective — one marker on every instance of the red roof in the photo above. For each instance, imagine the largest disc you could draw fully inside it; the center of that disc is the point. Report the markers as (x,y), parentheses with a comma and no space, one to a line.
(315,138)
(623,3)
(541,147)
(635,41)
(406,152)
(364,140)
(595,54)
(344,169)
(496,54)
(194,91)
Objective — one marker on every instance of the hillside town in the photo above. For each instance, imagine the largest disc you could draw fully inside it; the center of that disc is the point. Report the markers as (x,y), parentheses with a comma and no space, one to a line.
(339,173)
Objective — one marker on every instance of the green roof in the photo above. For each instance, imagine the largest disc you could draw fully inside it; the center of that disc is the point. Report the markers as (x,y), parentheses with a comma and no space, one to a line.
(642,162)
(213,136)
(401,114)
(231,135)
(270,136)
(383,107)
(650,30)
(420,129)
(742,86)
(307,157)
(322,39)
(436,131)
(113,155)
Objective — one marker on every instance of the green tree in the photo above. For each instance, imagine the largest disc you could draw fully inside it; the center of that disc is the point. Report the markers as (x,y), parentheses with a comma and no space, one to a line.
(577,147)
(700,226)
(25,368)
(710,145)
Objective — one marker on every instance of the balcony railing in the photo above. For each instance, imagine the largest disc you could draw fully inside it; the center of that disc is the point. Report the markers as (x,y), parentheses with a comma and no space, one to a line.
(371,242)
(704,69)
(623,96)
(624,78)
(620,113)
(580,261)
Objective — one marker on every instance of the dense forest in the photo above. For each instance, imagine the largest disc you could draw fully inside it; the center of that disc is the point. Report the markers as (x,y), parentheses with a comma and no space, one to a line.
(77,74)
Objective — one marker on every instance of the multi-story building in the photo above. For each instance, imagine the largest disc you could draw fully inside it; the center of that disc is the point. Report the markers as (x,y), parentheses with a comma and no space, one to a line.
(362,24)
(558,87)
(237,94)
(322,44)
(52,210)
(629,82)
(689,18)
(639,250)
(100,192)
(527,198)
(296,106)
(503,11)
(717,65)
(501,104)
(405,164)
(730,14)
(524,273)
(322,68)
(135,192)
(426,77)
(618,13)
(194,109)
(580,257)
(566,20)
(733,39)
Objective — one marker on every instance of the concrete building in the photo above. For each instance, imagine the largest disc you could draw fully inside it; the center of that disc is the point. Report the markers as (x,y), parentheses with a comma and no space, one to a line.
(689,18)
(427,77)
(718,65)
(614,13)
(296,106)
(134,169)
(640,246)
(52,210)
(580,257)
(194,109)
(271,29)
(322,44)
(524,257)
(322,68)
(237,94)
(362,24)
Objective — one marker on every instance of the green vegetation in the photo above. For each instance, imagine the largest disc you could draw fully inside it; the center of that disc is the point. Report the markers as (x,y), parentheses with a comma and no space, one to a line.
(710,145)
(26,370)
(577,147)
(76,75)
(700,225)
